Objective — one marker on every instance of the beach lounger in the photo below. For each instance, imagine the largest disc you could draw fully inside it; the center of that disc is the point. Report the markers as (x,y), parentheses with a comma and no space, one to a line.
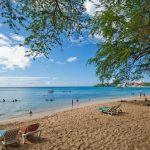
(114,110)
(30,130)
(2,132)
(9,137)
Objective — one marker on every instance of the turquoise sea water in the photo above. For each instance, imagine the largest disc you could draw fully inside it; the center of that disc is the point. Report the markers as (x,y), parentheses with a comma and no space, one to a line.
(35,98)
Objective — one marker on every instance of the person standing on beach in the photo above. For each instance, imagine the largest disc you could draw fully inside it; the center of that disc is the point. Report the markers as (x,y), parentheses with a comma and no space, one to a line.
(140,94)
(72,103)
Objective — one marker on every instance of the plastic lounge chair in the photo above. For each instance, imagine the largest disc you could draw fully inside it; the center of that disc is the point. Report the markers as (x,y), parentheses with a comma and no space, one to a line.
(9,137)
(104,109)
(2,132)
(114,110)
(30,130)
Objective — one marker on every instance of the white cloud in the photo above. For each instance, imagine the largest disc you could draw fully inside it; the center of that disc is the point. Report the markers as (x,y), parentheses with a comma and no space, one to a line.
(33,81)
(4,41)
(91,8)
(76,40)
(48,83)
(12,56)
(97,37)
(71,59)
(60,63)
(22,78)
(17,37)
(2,36)
(56,61)
(26,81)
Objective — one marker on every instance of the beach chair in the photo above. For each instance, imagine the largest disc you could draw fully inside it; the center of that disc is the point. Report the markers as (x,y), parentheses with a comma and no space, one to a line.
(2,132)
(114,110)
(9,137)
(30,130)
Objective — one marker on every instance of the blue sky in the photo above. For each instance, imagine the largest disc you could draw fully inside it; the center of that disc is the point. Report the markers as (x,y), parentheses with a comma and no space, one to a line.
(65,67)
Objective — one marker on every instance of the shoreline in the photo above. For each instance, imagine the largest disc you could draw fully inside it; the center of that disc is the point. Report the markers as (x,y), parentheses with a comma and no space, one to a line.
(48,113)
(85,127)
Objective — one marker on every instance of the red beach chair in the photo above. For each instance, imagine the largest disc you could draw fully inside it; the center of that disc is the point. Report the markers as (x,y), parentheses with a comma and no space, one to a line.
(30,130)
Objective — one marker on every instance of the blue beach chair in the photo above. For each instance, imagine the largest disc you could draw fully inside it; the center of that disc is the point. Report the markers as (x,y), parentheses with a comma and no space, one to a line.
(9,137)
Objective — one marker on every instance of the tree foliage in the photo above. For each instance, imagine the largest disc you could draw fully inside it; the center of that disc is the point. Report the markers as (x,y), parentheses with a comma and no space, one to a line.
(46,21)
(125,26)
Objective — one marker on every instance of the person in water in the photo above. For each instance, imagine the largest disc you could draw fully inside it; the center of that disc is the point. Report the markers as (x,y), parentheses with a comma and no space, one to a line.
(4,100)
(30,112)
(16,100)
(51,100)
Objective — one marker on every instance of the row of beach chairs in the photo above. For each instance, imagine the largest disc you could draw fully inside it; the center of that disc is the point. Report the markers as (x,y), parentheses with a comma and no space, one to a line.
(11,136)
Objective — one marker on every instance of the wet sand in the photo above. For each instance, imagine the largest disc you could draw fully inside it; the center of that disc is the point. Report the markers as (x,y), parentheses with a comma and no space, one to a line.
(87,128)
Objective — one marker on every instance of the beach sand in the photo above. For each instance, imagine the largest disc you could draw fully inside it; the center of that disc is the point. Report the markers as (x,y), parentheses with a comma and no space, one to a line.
(86,128)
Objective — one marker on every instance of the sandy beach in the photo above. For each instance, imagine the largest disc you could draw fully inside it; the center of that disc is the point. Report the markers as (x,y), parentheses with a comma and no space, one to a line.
(86,128)
(74,75)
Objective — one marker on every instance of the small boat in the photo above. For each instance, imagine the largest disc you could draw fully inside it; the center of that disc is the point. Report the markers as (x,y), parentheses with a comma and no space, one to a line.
(50,91)
(123,85)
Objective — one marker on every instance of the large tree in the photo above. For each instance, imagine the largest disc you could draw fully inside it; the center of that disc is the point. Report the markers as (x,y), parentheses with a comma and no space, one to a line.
(46,22)
(125,26)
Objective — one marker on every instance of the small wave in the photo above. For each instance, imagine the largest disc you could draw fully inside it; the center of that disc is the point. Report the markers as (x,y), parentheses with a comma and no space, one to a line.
(2,114)
(18,110)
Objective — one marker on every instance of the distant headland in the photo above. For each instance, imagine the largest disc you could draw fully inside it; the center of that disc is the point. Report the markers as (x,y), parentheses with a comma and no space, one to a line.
(125,84)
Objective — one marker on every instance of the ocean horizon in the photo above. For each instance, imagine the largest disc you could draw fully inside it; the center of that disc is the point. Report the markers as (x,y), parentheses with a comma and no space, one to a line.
(19,100)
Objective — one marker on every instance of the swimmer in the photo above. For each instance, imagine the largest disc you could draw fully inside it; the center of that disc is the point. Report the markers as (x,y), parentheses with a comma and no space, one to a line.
(30,112)
(51,99)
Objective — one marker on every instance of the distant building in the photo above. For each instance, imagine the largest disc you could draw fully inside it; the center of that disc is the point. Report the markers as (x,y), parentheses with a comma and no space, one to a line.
(132,84)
